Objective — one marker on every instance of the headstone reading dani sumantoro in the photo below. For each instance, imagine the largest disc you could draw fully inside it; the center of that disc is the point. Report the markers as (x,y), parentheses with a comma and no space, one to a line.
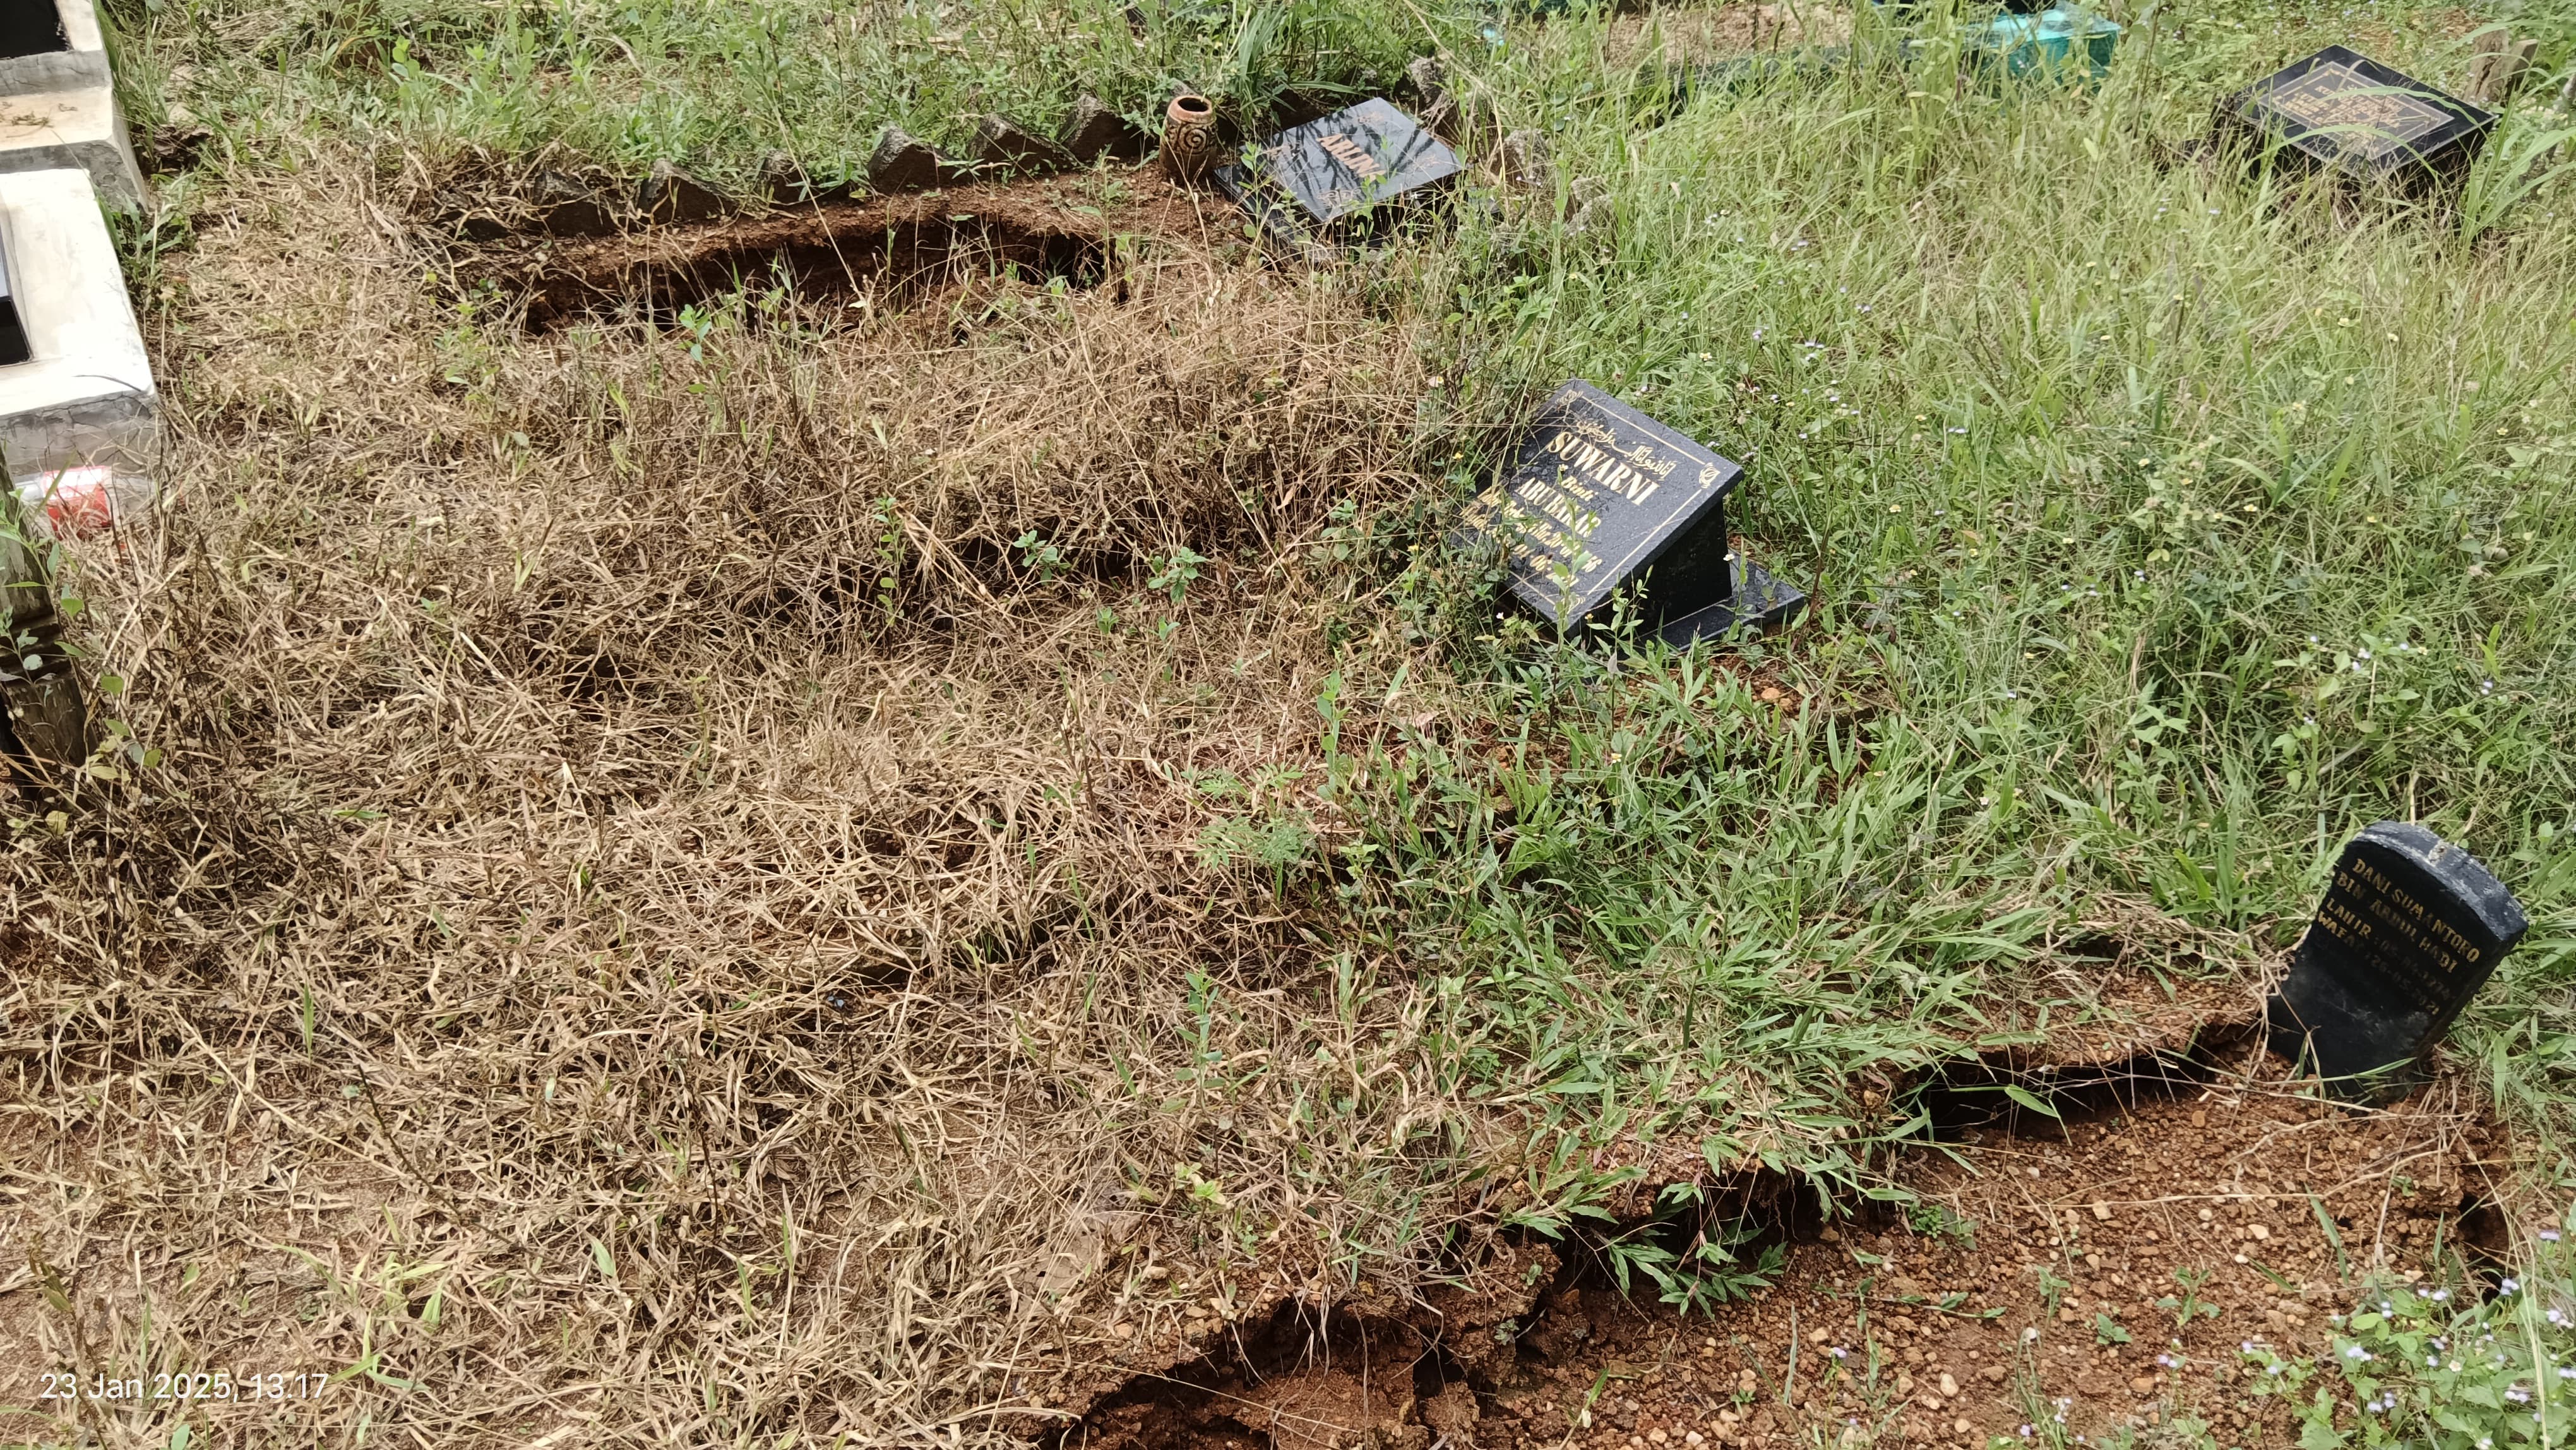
(2341,111)
(2410,928)
(1600,496)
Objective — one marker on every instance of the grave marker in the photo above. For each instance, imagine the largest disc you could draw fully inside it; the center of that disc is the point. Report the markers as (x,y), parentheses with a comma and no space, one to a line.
(2410,928)
(1336,173)
(2340,111)
(2057,44)
(1601,496)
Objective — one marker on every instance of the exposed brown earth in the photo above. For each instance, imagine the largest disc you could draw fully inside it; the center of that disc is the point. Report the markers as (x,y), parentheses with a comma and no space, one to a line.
(883,249)
(2104,1273)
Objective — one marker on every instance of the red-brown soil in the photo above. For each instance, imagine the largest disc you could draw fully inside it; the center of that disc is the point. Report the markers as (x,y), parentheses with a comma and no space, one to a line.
(2029,1284)
(876,246)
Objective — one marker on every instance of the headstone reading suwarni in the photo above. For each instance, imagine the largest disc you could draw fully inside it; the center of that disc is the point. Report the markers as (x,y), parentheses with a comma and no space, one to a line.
(2342,112)
(1339,173)
(2410,928)
(1601,497)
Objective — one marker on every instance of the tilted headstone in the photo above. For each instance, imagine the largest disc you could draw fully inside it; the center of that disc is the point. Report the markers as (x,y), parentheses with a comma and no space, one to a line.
(1340,172)
(2410,928)
(2340,111)
(1599,497)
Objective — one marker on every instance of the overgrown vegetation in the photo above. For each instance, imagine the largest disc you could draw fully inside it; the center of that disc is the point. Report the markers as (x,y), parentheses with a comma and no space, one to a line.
(686,865)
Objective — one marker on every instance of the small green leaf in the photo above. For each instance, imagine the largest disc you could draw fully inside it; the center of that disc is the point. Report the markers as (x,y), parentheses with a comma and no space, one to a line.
(2108,1331)
(2029,1099)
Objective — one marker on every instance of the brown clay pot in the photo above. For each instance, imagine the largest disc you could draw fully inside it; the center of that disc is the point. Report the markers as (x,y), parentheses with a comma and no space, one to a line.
(1189,138)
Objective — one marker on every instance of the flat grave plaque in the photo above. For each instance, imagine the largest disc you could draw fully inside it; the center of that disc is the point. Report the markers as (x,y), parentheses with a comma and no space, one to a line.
(1339,170)
(1600,496)
(2340,110)
(2410,928)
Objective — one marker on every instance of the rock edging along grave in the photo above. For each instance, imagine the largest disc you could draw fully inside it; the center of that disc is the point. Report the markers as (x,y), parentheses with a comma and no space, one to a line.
(1599,497)
(2410,928)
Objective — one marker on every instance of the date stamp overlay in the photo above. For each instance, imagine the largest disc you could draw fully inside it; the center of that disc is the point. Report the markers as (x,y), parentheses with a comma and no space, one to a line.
(57,1387)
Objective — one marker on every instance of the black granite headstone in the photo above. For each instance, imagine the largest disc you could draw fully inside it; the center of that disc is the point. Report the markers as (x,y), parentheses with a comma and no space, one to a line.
(2341,111)
(1339,173)
(2410,928)
(1601,496)
(14,346)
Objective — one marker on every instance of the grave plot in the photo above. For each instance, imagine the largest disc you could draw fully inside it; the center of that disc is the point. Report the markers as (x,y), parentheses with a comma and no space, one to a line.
(2094,1274)
(887,248)
(1693,35)
(58,103)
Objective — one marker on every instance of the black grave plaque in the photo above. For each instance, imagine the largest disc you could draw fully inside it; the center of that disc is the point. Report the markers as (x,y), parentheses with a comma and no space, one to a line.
(1342,171)
(1602,496)
(2410,928)
(2339,110)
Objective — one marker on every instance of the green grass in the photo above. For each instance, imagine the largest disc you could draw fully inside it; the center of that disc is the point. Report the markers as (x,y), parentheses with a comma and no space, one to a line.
(716,85)
(2162,530)
(2165,531)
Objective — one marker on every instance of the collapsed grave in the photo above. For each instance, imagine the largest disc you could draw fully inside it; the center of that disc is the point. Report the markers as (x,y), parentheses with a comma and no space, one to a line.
(2099,1270)
(883,247)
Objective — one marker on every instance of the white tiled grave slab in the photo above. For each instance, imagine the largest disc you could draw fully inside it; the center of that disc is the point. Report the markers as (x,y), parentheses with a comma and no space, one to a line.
(58,108)
(87,395)
(81,62)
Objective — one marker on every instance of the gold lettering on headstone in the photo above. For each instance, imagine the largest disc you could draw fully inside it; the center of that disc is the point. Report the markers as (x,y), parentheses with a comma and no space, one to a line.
(1353,156)
(2361,116)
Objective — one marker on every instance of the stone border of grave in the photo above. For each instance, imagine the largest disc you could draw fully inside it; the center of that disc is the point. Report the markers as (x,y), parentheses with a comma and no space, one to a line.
(574,200)
(81,62)
(86,396)
(1007,148)
(61,110)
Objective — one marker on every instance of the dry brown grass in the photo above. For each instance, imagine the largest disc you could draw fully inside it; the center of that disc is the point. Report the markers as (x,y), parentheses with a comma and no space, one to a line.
(581,899)
(1695,35)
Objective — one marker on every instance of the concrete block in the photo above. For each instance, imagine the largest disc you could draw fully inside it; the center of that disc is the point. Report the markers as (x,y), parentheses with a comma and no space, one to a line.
(85,128)
(87,396)
(52,45)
